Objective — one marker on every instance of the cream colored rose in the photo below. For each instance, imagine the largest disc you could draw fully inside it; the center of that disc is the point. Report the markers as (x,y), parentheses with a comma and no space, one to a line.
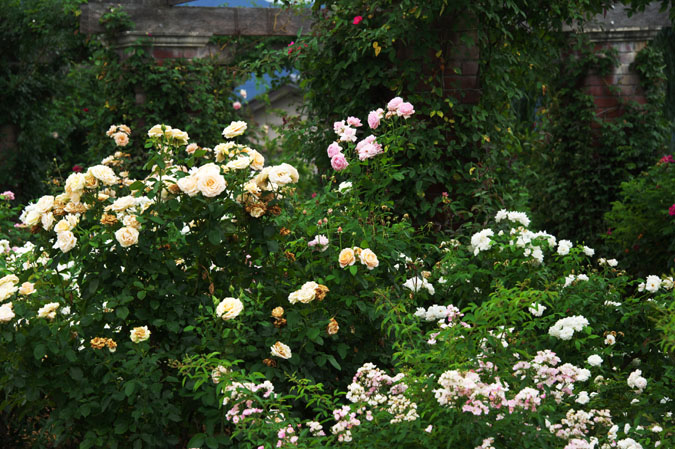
(7,290)
(75,185)
(229,308)
(190,149)
(234,129)
(125,129)
(257,159)
(252,188)
(283,174)
(65,241)
(9,279)
(121,139)
(67,223)
(6,313)
(188,185)
(346,257)
(104,174)
(369,259)
(47,221)
(139,334)
(27,288)
(257,210)
(209,180)
(156,131)
(278,312)
(127,236)
(112,130)
(90,182)
(45,204)
(223,150)
(48,310)
(181,137)
(32,217)
(130,221)
(239,163)
(281,350)
(123,203)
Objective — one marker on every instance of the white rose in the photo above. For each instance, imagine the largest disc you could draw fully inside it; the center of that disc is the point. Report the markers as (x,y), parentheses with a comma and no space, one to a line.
(127,236)
(229,308)
(283,174)
(281,350)
(67,223)
(180,136)
(65,241)
(222,150)
(594,360)
(257,160)
(32,218)
(7,290)
(47,221)
(234,129)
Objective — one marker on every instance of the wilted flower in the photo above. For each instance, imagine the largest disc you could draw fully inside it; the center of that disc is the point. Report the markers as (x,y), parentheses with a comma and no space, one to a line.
(332,327)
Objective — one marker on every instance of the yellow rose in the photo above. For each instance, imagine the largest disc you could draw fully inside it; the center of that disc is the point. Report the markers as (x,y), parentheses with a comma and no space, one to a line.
(127,236)
(346,257)
(223,150)
(278,312)
(369,259)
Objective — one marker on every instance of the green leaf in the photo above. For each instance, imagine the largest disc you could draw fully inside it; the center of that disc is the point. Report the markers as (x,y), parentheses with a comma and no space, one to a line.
(197,440)
(129,388)
(122,312)
(334,362)
(141,294)
(212,443)
(215,236)
(312,333)
(353,270)
(39,351)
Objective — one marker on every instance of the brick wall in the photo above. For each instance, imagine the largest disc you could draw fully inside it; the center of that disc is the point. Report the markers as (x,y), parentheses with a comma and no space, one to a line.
(611,92)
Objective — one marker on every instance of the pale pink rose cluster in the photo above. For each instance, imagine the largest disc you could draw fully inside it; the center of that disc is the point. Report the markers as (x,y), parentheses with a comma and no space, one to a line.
(120,134)
(398,107)
(319,242)
(238,395)
(368,147)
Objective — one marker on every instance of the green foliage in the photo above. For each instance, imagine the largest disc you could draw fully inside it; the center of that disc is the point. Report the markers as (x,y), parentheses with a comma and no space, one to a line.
(583,158)
(642,227)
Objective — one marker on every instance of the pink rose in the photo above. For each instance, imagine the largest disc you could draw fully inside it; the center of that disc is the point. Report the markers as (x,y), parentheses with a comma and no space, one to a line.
(357,20)
(353,121)
(333,149)
(338,127)
(7,195)
(671,211)
(667,159)
(405,110)
(236,105)
(393,103)
(374,118)
(338,162)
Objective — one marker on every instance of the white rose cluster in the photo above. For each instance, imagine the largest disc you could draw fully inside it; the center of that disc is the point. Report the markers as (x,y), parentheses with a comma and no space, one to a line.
(481,241)
(564,328)
(636,381)
(513,216)
(417,283)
